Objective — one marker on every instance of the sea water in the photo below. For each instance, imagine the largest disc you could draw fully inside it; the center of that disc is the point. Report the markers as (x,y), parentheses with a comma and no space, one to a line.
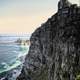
(12,55)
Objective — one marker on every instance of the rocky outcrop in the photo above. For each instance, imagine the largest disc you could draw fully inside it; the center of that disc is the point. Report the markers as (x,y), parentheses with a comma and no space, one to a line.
(54,52)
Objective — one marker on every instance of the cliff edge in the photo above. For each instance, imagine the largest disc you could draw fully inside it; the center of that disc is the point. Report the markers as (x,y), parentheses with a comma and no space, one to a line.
(54,52)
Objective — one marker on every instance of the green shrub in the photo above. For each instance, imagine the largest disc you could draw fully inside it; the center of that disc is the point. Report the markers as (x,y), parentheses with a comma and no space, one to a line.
(78,77)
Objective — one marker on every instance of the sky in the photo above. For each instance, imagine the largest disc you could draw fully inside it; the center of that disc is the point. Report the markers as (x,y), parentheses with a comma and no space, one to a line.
(24,16)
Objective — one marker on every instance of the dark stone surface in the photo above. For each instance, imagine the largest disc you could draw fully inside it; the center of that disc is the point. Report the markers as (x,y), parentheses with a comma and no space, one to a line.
(54,52)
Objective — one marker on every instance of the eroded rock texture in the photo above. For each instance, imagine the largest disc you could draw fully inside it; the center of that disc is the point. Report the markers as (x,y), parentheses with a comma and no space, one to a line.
(54,52)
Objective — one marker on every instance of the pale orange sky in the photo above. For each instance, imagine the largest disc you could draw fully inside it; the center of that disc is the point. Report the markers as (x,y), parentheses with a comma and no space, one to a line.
(24,16)
(23,24)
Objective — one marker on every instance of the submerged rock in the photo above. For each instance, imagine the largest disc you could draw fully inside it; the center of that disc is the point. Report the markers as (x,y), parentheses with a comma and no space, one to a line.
(54,52)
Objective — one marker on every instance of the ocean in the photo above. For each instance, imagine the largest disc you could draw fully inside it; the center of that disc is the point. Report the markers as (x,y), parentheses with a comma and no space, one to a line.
(12,56)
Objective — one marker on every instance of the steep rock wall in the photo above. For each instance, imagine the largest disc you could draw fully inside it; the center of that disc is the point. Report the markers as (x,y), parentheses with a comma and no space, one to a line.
(54,52)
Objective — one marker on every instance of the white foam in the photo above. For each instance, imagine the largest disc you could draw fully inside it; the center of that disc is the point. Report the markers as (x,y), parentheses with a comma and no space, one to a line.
(17,63)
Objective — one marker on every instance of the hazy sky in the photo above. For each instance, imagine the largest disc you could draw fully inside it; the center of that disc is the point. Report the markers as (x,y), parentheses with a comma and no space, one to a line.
(24,16)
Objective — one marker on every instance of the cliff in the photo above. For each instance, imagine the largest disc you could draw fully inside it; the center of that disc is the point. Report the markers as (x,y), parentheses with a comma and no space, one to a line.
(54,52)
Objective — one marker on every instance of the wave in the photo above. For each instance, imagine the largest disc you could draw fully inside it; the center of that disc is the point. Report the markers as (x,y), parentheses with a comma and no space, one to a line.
(19,60)
(24,50)
(8,68)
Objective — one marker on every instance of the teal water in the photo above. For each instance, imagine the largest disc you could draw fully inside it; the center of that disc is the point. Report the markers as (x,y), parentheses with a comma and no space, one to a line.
(11,56)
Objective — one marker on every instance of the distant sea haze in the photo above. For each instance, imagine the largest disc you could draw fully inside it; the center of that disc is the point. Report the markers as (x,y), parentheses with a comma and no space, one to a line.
(5,38)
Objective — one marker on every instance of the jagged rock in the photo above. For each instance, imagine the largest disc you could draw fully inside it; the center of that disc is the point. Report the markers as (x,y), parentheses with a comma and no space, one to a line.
(54,52)
(63,4)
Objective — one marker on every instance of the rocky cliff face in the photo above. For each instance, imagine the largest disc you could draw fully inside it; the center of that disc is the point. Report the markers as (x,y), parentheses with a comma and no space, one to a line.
(54,52)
